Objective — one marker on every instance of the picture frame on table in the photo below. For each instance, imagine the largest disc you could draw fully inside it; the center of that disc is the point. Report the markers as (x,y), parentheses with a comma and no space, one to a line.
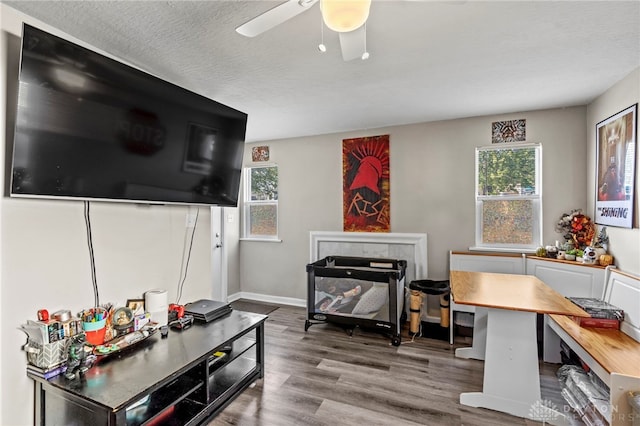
(616,147)
(136,306)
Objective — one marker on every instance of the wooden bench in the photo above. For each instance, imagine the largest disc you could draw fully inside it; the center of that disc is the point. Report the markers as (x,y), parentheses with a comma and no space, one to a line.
(613,355)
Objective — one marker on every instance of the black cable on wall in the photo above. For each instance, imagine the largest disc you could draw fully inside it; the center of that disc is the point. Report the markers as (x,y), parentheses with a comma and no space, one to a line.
(186,268)
(87,222)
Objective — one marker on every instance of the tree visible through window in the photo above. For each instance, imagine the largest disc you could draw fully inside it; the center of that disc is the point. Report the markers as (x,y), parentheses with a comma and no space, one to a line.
(508,206)
(261,202)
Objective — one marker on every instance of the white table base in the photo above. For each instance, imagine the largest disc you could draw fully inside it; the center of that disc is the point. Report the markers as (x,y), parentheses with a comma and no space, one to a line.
(479,342)
(511,374)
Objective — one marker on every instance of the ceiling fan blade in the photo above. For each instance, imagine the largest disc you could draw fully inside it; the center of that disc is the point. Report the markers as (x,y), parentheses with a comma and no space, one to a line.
(274,17)
(353,43)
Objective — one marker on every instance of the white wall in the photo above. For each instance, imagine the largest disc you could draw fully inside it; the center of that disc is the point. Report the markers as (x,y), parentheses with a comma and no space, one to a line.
(432,168)
(432,189)
(624,243)
(232,241)
(44,254)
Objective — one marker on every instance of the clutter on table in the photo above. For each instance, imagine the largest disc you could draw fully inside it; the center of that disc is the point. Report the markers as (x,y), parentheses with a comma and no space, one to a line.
(62,343)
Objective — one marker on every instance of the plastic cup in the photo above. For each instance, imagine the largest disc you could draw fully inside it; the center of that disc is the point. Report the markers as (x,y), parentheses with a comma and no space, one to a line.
(95,330)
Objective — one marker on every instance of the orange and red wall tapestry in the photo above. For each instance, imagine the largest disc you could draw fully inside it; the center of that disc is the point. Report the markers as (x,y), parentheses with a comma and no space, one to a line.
(365,184)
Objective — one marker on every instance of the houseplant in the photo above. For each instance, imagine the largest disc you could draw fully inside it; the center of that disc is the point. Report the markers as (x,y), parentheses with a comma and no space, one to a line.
(571,254)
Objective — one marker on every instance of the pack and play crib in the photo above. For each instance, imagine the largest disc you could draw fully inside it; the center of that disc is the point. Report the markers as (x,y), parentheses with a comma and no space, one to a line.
(357,291)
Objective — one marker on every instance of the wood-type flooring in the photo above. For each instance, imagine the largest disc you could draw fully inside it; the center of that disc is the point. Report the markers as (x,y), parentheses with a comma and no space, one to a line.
(326,377)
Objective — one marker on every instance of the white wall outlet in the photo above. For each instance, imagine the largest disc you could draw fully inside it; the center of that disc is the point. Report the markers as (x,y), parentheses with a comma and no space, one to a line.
(230,217)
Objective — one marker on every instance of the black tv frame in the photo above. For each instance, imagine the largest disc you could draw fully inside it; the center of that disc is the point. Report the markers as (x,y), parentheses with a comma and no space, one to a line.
(89,127)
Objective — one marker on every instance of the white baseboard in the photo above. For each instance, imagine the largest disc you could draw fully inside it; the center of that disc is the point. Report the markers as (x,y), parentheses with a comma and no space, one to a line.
(291,301)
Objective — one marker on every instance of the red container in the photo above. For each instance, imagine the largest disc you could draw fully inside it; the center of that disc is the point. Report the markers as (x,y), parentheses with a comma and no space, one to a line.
(96,337)
(95,331)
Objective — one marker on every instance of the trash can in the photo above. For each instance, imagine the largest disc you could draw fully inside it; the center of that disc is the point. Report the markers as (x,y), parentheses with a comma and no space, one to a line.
(418,289)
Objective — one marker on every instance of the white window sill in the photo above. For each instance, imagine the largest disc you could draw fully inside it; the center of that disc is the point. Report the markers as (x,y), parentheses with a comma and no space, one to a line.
(262,240)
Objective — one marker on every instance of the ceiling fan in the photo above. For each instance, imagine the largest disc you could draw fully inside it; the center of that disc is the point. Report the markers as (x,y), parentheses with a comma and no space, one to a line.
(346,17)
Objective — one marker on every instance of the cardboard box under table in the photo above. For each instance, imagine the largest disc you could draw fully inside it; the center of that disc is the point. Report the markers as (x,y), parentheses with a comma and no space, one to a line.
(357,291)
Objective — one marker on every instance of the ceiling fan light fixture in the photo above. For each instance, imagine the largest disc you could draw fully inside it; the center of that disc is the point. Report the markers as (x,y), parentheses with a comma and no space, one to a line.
(365,54)
(321,47)
(345,15)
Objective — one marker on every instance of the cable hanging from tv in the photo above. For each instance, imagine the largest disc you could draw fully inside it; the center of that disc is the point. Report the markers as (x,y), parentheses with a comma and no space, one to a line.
(186,266)
(87,222)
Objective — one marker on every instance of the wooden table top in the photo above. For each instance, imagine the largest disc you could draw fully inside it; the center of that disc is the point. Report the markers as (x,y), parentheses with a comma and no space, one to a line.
(511,292)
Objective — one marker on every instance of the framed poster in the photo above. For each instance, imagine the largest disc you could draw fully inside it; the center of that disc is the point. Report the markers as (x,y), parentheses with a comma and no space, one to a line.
(509,131)
(259,153)
(365,192)
(616,140)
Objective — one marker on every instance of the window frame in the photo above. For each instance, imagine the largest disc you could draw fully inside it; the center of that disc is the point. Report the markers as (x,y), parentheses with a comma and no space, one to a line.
(247,203)
(535,198)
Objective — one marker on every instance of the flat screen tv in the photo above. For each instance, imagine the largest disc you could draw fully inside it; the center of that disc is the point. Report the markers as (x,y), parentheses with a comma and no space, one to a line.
(91,128)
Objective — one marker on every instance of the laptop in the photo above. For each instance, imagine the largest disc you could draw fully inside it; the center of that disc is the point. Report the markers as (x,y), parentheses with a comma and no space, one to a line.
(207,310)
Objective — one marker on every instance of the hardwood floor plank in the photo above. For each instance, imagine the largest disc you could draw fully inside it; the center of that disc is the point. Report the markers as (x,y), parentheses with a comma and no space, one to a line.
(327,377)
(370,398)
(337,413)
(261,405)
(416,387)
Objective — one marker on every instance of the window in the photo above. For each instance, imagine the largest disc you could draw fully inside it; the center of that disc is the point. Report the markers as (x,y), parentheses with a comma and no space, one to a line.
(509,197)
(261,202)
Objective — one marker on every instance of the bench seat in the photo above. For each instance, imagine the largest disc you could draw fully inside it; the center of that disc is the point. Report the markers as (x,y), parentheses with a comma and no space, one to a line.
(613,350)
(613,355)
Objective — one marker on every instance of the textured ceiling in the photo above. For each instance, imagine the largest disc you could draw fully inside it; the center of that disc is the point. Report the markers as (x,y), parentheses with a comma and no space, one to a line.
(429,60)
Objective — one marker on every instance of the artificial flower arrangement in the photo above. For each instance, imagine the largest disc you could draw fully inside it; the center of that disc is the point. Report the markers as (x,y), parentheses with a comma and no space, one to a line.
(577,229)
(581,243)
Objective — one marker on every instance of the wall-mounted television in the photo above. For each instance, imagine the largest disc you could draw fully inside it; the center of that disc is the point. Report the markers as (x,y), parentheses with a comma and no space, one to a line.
(92,128)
